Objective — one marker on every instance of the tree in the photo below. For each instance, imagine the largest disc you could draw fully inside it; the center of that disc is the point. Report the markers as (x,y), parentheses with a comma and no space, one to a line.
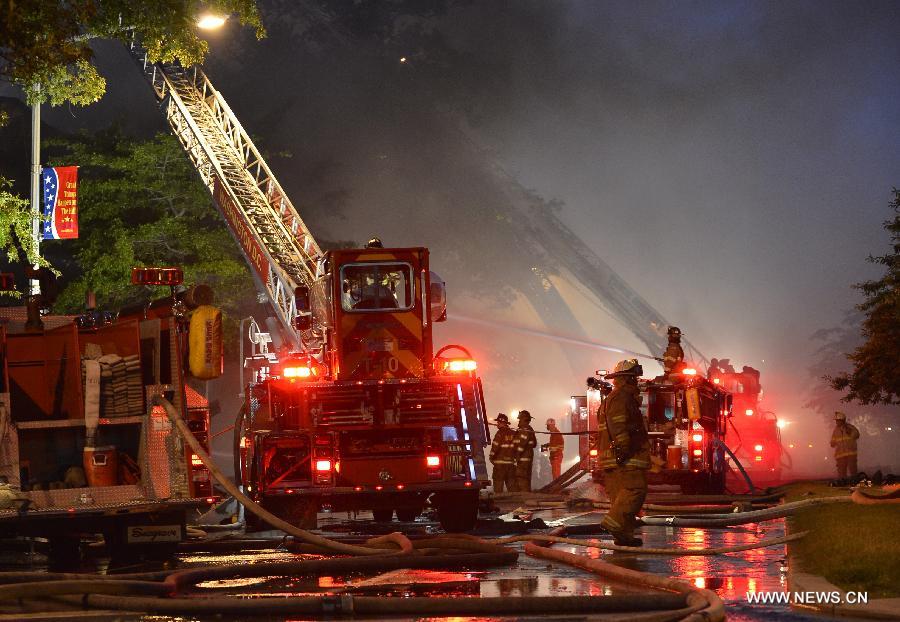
(47,43)
(141,203)
(875,378)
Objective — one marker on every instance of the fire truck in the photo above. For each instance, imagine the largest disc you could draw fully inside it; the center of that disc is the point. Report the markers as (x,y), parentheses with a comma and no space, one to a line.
(355,411)
(686,415)
(758,437)
(82,449)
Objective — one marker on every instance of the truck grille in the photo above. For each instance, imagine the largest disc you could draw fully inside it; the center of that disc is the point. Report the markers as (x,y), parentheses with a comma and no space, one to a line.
(344,406)
(428,405)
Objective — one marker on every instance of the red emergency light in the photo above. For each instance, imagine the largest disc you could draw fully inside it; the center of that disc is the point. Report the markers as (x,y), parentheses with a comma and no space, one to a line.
(689,371)
(157,276)
(433,461)
(749,412)
(758,447)
(698,438)
(323,466)
(297,372)
(456,366)
(594,453)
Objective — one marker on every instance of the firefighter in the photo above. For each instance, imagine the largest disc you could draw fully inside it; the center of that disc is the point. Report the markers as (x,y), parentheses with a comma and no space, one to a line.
(502,456)
(375,242)
(555,448)
(526,441)
(674,355)
(843,439)
(624,450)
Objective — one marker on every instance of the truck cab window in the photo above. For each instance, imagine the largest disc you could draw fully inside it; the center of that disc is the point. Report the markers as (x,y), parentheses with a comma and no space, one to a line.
(377,287)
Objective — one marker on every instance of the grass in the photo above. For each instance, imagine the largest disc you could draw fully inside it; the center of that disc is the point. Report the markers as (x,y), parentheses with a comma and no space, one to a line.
(856,547)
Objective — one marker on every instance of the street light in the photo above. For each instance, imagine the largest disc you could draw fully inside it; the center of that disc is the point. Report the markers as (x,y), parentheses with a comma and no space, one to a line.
(211,21)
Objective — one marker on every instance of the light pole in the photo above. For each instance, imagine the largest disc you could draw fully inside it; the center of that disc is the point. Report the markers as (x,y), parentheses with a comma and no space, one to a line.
(34,288)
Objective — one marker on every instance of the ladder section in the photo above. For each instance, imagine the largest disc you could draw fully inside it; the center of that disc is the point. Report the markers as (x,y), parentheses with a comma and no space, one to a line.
(274,239)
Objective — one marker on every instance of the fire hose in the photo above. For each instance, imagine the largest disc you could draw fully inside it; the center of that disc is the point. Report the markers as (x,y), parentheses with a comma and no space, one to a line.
(741,518)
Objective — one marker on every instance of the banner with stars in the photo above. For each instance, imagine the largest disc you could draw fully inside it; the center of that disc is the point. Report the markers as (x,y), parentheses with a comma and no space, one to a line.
(60,185)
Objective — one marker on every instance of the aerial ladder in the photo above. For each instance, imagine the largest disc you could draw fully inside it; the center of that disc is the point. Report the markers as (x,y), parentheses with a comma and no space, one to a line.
(278,245)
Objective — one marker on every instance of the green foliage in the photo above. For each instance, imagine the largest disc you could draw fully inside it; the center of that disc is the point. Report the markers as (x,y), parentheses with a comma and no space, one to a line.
(141,204)
(47,43)
(875,378)
(16,238)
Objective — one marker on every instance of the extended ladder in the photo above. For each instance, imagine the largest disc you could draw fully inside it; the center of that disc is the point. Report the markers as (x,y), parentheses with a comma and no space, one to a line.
(274,239)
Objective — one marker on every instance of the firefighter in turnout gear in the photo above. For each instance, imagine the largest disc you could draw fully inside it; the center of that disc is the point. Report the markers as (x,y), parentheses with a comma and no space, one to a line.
(502,456)
(526,441)
(555,448)
(673,358)
(624,452)
(843,439)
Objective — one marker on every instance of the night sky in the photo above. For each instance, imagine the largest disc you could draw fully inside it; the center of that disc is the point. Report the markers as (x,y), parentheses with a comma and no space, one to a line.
(732,161)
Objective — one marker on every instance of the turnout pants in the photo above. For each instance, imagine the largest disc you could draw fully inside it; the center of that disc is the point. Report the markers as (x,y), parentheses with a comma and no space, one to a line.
(846,466)
(556,460)
(626,487)
(504,475)
(523,476)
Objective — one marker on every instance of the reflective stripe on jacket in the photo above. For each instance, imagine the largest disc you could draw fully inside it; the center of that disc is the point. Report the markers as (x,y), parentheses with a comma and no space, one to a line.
(557,443)
(503,446)
(626,426)
(526,441)
(843,439)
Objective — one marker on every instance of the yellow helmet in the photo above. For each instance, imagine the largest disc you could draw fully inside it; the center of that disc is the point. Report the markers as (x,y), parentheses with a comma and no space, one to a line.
(628,367)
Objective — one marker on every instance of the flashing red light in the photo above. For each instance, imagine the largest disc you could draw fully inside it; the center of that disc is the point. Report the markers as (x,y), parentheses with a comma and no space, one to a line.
(594,453)
(468,484)
(689,371)
(297,372)
(323,466)
(357,488)
(759,458)
(433,461)
(157,276)
(379,488)
(243,442)
(195,460)
(401,486)
(460,365)
(749,412)
(716,381)
(758,447)
(210,500)
(698,438)
(698,452)
(290,491)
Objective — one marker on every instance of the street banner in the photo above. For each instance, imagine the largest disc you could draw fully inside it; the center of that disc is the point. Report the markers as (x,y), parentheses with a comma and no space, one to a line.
(60,220)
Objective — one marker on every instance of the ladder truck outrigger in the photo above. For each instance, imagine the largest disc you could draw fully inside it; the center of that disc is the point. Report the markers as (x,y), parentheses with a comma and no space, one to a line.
(360,414)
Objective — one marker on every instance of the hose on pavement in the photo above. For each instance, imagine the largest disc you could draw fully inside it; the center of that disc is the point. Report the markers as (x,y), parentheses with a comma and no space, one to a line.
(741,518)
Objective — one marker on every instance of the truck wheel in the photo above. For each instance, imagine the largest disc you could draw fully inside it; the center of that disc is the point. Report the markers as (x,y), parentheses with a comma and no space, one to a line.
(383,516)
(407,515)
(457,510)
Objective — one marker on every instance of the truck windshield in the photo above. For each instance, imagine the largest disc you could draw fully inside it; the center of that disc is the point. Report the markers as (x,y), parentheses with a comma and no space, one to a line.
(376,287)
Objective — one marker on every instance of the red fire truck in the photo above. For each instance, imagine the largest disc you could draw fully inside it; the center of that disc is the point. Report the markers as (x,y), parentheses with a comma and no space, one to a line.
(375,421)
(81,450)
(686,416)
(757,437)
(354,411)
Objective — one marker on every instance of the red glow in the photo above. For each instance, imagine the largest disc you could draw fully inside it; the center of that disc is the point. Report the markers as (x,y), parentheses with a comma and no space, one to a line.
(697,438)
(759,458)
(698,452)
(716,381)
(758,447)
(357,488)
(689,371)
(749,412)
(401,486)
(297,372)
(379,488)
(210,500)
(433,461)
(323,466)
(594,453)
(468,484)
(460,365)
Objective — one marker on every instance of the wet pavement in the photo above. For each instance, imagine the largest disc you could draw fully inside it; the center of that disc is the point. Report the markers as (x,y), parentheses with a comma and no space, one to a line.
(732,576)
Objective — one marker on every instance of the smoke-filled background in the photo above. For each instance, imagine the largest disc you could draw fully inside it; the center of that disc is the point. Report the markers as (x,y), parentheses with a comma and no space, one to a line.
(731,161)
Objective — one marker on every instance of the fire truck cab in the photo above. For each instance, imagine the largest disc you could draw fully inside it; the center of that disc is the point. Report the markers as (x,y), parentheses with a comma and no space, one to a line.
(685,415)
(367,417)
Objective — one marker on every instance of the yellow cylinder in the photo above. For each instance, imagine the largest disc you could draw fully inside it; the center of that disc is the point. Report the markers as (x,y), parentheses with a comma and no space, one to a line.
(205,343)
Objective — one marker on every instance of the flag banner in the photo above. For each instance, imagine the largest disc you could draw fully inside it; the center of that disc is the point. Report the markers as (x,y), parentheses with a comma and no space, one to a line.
(60,220)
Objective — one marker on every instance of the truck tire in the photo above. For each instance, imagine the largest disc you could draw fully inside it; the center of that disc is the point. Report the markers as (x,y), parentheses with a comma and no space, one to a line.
(457,510)
(382,515)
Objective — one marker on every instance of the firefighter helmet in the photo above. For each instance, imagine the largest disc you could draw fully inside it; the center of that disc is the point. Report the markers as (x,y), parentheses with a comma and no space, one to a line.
(839,416)
(524,415)
(502,418)
(674,331)
(551,421)
(628,367)
(375,242)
